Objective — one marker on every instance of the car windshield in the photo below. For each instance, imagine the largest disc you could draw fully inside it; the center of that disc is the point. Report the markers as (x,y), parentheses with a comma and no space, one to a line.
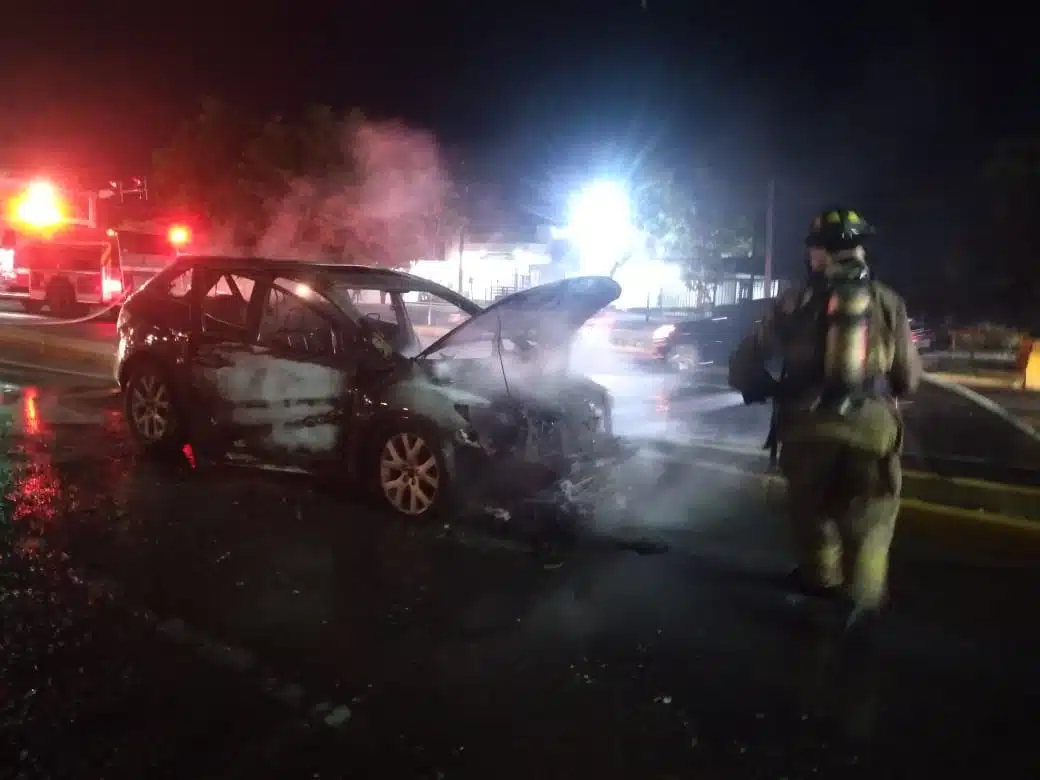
(545,317)
(479,338)
(430,315)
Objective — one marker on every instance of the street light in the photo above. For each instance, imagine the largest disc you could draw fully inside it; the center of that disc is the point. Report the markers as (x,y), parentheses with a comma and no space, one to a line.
(600,224)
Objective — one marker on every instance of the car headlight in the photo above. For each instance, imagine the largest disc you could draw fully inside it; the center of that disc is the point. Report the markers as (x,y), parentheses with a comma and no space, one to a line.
(663,332)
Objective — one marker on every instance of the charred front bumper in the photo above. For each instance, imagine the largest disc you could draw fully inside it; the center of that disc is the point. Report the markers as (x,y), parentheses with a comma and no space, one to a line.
(507,457)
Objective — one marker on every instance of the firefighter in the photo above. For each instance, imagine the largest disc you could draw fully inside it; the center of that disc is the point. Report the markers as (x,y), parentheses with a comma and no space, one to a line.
(848,356)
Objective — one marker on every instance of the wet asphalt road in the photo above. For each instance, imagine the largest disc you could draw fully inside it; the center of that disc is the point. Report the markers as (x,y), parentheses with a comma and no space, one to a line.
(169,621)
(11,313)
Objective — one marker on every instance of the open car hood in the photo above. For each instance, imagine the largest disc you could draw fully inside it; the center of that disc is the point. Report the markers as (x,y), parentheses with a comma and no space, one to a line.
(545,315)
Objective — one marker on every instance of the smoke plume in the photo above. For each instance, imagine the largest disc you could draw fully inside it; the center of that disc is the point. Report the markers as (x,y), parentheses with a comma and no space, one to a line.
(382,202)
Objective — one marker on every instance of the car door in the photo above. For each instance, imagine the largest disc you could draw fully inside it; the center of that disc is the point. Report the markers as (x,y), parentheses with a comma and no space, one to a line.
(300,386)
(222,356)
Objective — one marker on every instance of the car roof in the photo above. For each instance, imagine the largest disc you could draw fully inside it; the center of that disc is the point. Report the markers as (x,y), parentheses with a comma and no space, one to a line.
(329,273)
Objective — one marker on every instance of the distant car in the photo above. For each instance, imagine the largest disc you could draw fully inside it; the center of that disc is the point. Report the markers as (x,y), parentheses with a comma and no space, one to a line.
(922,336)
(272,362)
(694,345)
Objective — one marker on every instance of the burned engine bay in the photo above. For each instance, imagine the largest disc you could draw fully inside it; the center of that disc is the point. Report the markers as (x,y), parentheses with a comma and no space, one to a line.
(544,433)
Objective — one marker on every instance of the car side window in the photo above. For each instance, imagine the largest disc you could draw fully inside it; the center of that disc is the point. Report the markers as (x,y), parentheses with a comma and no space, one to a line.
(289,323)
(179,286)
(379,309)
(433,316)
(225,305)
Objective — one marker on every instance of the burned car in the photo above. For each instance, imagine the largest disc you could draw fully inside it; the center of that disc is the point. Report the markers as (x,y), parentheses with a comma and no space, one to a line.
(341,370)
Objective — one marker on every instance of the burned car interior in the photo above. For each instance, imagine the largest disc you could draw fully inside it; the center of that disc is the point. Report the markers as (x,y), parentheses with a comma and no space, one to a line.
(289,323)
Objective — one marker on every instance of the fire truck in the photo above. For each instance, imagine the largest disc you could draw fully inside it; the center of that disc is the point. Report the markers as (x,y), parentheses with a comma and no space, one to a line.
(70,271)
(35,210)
(64,261)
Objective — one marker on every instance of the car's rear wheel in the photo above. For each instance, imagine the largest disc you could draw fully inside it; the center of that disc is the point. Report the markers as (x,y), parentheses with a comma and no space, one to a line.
(152,412)
(413,475)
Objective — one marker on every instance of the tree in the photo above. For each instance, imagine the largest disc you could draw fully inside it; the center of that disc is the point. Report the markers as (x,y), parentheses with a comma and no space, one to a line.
(328,185)
(1011,192)
(201,166)
(677,228)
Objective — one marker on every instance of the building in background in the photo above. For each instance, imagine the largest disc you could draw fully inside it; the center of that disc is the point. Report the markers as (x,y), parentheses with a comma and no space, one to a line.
(487,264)
(495,263)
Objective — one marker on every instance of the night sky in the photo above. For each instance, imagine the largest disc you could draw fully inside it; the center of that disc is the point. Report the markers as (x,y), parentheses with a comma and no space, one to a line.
(882,107)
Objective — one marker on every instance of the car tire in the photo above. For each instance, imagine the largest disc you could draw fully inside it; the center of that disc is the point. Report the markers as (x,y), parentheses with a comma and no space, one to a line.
(152,412)
(413,471)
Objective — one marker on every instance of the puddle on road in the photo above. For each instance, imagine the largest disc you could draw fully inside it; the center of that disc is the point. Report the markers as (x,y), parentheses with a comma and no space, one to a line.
(27,406)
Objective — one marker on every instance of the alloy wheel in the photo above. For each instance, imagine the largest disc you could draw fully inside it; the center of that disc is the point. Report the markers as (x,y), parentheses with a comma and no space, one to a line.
(150,407)
(409,474)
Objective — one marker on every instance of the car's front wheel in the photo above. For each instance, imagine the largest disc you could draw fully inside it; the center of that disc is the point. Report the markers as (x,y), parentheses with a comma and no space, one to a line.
(412,472)
(151,411)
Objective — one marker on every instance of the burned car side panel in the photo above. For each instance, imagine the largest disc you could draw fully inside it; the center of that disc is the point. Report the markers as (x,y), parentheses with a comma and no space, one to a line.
(273,407)
(281,391)
(440,404)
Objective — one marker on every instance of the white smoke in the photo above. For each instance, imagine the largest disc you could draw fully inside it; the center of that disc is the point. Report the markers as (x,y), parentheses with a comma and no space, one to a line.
(382,203)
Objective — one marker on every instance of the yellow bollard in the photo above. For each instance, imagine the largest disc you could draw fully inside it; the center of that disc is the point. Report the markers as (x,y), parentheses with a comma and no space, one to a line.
(1031,375)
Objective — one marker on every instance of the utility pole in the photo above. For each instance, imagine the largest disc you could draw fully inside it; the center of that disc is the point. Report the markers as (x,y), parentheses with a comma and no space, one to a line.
(462,247)
(770,207)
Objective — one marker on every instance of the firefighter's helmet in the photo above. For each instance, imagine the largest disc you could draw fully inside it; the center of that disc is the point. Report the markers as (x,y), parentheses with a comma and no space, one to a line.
(837,229)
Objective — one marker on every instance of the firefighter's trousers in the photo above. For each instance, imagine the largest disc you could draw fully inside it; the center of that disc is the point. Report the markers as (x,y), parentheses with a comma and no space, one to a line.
(843,499)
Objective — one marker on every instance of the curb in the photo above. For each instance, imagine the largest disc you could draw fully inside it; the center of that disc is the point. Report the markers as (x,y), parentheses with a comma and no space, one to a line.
(1013,381)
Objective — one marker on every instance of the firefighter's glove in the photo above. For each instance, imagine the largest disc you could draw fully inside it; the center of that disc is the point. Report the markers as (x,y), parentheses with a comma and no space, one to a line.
(764,389)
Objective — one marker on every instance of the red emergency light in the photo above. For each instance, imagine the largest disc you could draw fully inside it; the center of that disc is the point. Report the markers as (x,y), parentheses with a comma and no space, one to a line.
(180,236)
(40,207)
